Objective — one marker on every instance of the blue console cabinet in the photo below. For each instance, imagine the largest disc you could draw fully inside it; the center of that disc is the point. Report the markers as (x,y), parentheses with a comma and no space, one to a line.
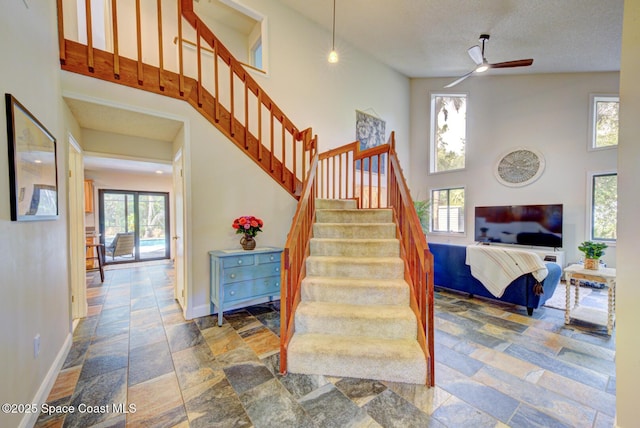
(238,276)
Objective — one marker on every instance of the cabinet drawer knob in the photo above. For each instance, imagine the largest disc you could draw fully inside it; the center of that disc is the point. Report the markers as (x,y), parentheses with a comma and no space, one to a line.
(232,293)
(271,258)
(239,262)
(277,269)
(278,284)
(233,275)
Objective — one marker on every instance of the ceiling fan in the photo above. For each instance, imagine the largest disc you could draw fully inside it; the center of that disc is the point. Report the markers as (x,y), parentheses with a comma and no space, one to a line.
(477,55)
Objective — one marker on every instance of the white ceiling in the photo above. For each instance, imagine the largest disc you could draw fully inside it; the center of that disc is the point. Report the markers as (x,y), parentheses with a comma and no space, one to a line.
(430,38)
(116,120)
(102,163)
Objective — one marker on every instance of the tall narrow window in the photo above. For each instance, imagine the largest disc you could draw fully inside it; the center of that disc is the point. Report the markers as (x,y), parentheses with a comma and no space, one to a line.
(604,206)
(447,210)
(256,54)
(448,132)
(604,121)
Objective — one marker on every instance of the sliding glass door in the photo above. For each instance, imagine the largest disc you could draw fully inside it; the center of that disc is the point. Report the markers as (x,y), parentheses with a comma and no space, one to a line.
(134,225)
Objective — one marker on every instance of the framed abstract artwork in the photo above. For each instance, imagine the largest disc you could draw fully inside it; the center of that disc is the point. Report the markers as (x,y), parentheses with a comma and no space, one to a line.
(369,133)
(33,176)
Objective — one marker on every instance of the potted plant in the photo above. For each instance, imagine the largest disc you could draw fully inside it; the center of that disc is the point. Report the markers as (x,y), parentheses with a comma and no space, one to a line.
(592,252)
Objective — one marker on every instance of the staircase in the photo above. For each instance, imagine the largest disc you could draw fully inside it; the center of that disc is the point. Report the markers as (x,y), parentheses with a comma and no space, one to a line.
(354,318)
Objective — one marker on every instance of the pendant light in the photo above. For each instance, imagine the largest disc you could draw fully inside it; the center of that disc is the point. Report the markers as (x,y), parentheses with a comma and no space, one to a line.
(333,55)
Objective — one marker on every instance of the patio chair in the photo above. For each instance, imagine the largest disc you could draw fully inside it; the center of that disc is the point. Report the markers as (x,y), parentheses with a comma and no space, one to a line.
(122,245)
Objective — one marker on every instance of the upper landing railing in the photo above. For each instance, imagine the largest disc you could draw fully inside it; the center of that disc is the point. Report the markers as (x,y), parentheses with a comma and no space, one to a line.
(169,50)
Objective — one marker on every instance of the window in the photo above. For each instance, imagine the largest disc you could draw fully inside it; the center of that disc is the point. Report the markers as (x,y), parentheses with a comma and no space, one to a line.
(256,54)
(448,132)
(447,210)
(604,206)
(604,121)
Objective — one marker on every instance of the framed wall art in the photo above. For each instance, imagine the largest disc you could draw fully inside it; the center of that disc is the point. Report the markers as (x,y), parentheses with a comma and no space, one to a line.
(33,175)
(369,133)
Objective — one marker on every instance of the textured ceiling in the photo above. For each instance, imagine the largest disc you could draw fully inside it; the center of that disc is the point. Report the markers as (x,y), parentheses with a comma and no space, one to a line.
(430,38)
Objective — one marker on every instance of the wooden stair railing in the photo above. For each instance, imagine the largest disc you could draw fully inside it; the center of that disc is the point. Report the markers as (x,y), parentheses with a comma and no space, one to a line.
(375,179)
(293,268)
(206,75)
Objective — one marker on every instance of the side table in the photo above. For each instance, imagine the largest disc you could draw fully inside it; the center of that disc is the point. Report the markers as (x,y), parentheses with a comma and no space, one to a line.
(606,276)
(239,276)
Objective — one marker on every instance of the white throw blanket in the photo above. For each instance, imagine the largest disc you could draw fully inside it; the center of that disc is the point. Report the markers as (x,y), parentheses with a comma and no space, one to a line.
(497,267)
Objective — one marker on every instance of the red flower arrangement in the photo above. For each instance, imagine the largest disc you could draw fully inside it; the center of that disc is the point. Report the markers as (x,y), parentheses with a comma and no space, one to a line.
(247,225)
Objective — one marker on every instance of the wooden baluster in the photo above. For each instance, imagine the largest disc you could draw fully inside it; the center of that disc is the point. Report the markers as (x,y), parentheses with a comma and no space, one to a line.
(370,204)
(246,114)
(160,47)
(232,100)
(283,148)
(216,105)
(379,180)
(340,177)
(139,43)
(199,63)
(89,23)
(259,124)
(116,44)
(361,192)
(62,51)
(321,182)
(272,138)
(295,161)
(333,180)
(180,55)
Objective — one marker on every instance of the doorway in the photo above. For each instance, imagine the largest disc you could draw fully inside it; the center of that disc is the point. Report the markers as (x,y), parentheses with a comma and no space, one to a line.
(142,214)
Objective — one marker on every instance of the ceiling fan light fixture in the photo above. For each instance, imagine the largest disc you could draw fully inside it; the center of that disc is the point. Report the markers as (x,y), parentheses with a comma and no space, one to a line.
(333,55)
(482,68)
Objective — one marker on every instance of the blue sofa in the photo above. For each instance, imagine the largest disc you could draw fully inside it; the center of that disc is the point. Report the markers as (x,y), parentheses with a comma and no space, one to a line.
(452,272)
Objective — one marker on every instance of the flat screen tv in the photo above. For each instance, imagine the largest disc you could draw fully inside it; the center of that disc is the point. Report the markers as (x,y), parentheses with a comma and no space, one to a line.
(533,225)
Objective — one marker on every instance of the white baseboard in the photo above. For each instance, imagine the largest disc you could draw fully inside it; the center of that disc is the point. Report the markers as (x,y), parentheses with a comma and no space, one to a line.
(40,398)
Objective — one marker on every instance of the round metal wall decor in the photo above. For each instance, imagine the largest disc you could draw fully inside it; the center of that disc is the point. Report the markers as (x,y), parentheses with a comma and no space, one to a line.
(519,167)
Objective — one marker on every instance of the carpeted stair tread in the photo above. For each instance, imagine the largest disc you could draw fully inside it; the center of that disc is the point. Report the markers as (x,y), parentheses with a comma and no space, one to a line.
(355,230)
(355,267)
(382,321)
(357,291)
(396,360)
(380,247)
(354,216)
(336,204)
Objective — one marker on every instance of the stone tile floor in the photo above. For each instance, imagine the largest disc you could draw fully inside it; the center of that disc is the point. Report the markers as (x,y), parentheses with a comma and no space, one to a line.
(137,357)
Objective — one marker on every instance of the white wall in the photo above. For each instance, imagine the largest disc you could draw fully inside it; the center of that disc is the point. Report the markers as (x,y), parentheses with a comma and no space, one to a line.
(34,280)
(547,112)
(126,145)
(314,93)
(628,292)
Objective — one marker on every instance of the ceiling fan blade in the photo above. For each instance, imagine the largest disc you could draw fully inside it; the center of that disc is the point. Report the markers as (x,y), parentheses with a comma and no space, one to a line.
(476,54)
(459,79)
(508,64)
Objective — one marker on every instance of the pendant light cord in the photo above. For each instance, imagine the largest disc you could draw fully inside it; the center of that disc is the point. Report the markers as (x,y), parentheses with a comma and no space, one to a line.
(333,40)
